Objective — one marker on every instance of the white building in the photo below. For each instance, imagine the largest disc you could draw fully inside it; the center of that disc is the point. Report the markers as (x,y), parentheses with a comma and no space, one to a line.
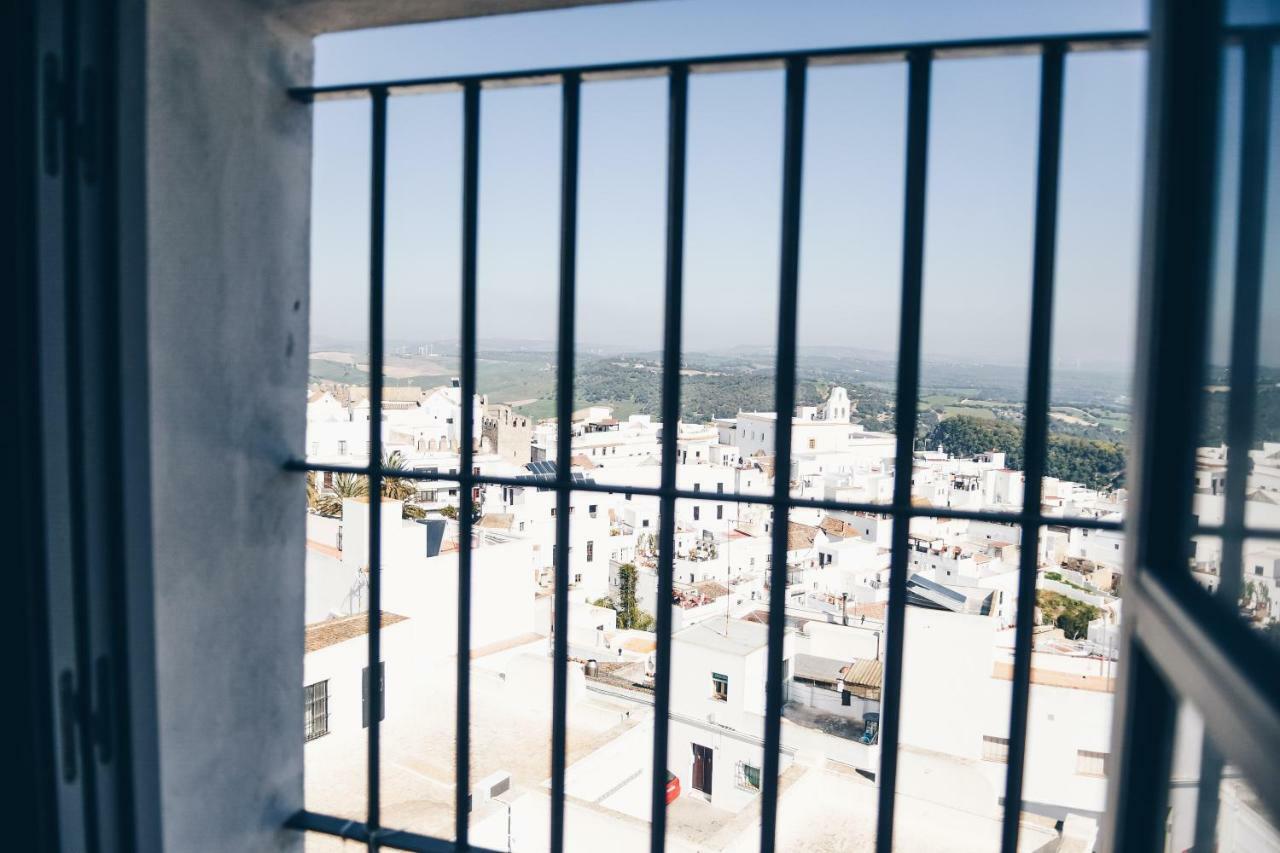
(718,671)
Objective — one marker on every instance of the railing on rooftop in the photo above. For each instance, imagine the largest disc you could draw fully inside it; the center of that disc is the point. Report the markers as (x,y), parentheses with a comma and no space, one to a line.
(919,59)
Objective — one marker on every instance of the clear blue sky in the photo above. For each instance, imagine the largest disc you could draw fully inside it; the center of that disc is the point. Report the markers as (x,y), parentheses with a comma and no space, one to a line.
(981,180)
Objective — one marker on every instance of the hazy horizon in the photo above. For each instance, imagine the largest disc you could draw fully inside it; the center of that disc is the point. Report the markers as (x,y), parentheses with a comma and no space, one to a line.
(980,184)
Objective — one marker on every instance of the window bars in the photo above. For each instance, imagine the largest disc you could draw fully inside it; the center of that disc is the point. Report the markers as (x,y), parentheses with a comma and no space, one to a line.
(919,58)
(315,698)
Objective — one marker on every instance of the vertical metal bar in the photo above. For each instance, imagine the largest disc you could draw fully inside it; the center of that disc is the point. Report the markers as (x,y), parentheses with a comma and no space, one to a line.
(1183,99)
(564,443)
(377,229)
(467,339)
(1251,219)
(79,279)
(677,138)
(1206,825)
(784,396)
(1035,433)
(1251,214)
(919,66)
(55,263)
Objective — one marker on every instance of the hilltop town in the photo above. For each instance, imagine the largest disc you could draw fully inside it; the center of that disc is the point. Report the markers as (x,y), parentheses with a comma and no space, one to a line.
(962,596)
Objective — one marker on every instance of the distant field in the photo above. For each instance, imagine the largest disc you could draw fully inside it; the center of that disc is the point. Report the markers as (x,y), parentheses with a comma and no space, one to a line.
(322,370)
(337,357)
(1068,415)
(538,409)
(505,381)
(971,411)
(954,404)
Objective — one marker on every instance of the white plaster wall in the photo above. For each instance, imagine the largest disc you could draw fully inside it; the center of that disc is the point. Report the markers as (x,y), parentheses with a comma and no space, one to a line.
(839,642)
(342,664)
(502,593)
(728,751)
(228,207)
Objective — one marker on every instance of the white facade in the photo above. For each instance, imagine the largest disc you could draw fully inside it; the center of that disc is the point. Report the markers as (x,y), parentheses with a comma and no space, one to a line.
(725,720)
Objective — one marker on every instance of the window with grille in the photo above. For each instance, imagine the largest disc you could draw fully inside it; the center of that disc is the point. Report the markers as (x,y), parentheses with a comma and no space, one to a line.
(316,703)
(746,776)
(1029,515)
(995,749)
(1090,763)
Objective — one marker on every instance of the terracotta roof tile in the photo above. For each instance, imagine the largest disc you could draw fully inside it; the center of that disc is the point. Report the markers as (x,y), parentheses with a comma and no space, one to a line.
(800,535)
(321,635)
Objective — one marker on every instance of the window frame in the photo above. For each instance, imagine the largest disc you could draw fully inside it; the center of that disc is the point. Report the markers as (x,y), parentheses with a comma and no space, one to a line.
(1170,615)
(719,687)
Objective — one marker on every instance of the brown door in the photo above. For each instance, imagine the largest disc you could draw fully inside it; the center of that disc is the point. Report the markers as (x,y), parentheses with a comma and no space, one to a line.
(702,768)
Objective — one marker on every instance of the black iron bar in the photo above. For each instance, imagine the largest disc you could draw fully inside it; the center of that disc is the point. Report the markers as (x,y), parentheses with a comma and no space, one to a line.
(918,72)
(1035,433)
(784,396)
(677,112)
(1119,40)
(466,454)
(377,235)
(354,830)
(1082,522)
(564,445)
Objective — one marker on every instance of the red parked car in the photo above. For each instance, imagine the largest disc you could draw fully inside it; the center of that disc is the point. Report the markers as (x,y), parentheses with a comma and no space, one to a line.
(673,786)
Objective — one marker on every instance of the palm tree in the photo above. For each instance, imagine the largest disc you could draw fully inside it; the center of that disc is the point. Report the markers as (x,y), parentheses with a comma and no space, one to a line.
(396,488)
(344,486)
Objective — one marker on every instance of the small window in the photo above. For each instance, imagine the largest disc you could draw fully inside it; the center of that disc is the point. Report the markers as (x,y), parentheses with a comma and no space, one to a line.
(1090,763)
(995,749)
(522,527)
(316,699)
(719,488)
(719,687)
(719,512)
(644,523)
(553,512)
(577,578)
(747,777)
(592,509)
(697,487)
(813,443)
(697,513)
(591,550)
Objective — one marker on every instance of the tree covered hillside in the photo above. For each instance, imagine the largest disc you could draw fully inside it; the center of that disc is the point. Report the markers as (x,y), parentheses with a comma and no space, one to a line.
(1097,464)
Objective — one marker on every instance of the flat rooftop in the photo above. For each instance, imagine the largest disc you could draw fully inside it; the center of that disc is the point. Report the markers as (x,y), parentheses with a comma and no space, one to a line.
(733,636)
